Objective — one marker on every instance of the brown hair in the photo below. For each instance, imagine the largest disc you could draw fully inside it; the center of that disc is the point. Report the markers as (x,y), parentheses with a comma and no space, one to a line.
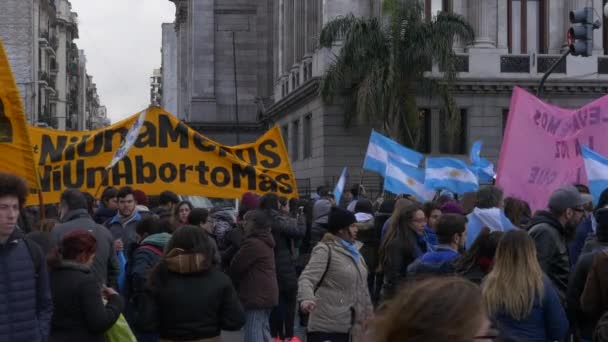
(399,228)
(516,280)
(517,211)
(435,309)
(13,185)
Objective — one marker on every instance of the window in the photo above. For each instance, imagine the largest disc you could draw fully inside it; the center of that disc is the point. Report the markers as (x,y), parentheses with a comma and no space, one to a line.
(453,133)
(505,116)
(295,146)
(527,26)
(433,7)
(424,131)
(307,136)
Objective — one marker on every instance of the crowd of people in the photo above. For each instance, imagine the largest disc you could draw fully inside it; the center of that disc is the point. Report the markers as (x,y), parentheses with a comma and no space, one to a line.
(468,268)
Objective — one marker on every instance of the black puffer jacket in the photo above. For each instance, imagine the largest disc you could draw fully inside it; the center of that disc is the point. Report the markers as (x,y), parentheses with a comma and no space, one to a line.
(79,313)
(189,299)
(552,250)
(286,230)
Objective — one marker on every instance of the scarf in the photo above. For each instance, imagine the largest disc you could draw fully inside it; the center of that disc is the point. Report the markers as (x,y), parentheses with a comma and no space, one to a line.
(124,220)
(351,247)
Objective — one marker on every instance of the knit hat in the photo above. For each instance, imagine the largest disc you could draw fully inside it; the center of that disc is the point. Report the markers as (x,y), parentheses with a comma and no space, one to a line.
(140,197)
(452,208)
(250,201)
(340,219)
(320,211)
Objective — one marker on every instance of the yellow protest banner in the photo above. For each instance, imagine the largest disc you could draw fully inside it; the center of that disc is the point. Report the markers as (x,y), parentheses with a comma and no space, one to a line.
(167,155)
(15,149)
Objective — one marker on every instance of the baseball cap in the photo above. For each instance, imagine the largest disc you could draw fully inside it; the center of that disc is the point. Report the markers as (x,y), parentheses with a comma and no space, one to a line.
(568,197)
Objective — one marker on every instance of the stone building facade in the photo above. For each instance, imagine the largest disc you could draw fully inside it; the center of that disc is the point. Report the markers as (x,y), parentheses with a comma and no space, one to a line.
(169,68)
(224,57)
(39,39)
(515,43)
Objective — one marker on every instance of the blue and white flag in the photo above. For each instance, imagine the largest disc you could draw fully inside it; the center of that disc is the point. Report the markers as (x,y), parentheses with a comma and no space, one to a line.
(129,140)
(340,186)
(483,167)
(596,167)
(450,174)
(381,147)
(402,178)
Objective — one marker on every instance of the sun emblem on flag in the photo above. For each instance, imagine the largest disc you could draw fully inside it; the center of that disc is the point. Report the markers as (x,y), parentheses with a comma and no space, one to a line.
(454,173)
(410,182)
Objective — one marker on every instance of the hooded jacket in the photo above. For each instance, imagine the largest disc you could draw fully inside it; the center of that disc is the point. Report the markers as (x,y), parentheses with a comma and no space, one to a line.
(224,223)
(253,272)
(105,265)
(552,250)
(189,299)
(80,314)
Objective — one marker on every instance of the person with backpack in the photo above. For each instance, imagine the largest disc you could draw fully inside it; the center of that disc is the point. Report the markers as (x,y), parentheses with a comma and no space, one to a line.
(333,289)
(26,310)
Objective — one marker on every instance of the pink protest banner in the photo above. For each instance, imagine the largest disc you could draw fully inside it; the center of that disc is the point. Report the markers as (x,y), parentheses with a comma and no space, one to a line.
(541,147)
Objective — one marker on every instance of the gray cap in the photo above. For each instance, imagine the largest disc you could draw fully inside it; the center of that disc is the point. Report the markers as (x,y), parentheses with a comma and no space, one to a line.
(320,211)
(568,197)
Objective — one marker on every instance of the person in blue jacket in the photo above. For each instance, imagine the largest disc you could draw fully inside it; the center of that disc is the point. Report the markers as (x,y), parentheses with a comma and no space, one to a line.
(451,235)
(519,298)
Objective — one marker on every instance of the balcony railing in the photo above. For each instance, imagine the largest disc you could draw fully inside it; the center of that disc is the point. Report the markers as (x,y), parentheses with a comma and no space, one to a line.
(515,63)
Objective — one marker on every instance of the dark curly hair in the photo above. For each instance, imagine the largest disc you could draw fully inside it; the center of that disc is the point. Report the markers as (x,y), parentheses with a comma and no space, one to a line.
(12,185)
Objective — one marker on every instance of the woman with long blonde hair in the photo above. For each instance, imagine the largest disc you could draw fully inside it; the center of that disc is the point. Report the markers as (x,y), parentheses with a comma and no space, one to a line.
(519,297)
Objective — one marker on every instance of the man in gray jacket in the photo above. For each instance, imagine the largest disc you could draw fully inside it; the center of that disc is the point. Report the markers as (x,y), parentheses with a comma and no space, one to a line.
(74,216)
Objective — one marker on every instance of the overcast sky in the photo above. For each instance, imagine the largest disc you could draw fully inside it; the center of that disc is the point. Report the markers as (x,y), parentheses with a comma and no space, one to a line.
(122,40)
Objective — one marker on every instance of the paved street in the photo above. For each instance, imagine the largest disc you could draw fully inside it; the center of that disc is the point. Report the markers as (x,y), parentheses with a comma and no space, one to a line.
(238,336)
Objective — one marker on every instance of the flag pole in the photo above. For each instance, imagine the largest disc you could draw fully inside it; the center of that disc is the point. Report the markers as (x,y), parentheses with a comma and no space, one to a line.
(103,179)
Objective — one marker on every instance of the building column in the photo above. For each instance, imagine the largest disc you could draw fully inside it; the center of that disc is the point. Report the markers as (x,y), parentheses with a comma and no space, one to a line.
(482,16)
(558,25)
(598,35)
(459,8)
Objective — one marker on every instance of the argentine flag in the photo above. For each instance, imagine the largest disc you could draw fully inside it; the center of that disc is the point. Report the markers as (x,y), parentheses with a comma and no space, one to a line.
(450,174)
(402,178)
(381,147)
(596,167)
(483,167)
(340,186)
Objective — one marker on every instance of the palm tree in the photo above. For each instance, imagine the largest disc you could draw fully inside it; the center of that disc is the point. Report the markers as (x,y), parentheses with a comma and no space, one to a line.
(382,62)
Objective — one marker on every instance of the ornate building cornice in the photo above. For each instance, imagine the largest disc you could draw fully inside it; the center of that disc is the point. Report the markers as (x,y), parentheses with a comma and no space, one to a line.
(302,94)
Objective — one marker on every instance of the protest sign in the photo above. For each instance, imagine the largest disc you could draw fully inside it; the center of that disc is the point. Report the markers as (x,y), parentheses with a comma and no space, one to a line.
(541,150)
(167,155)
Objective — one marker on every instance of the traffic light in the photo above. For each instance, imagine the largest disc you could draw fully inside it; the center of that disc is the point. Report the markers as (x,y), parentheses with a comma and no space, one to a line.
(580,36)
